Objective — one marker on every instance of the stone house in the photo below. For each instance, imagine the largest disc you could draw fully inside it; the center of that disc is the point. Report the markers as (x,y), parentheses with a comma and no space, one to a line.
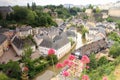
(92,47)
(60,43)
(19,45)
(4,11)
(3,44)
(24,31)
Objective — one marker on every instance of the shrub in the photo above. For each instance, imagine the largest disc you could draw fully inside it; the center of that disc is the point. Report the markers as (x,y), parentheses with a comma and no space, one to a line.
(102,61)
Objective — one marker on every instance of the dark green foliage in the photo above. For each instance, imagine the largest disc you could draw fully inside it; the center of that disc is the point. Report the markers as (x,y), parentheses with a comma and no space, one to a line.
(74,10)
(12,69)
(63,13)
(118,24)
(28,5)
(90,6)
(109,19)
(85,17)
(34,17)
(102,61)
(4,23)
(84,9)
(93,63)
(33,6)
(1,16)
(114,36)
(54,57)
(115,50)
(97,10)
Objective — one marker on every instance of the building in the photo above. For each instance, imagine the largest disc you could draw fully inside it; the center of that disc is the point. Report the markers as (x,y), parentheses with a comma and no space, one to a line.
(95,32)
(88,12)
(3,44)
(60,43)
(104,13)
(114,12)
(46,10)
(4,11)
(24,31)
(92,47)
(19,45)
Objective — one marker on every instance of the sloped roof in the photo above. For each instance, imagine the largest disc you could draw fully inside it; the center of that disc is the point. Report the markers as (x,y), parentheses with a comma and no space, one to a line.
(2,38)
(20,43)
(56,43)
(6,9)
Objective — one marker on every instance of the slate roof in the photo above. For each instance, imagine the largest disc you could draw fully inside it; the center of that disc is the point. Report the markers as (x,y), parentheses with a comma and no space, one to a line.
(24,28)
(99,29)
(70,34)
(2,30)
(20,43)
(56,43)
(6,9)
(2,38)
(101,26)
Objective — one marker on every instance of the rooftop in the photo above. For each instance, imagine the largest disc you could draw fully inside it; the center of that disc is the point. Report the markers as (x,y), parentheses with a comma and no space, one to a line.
(2,38)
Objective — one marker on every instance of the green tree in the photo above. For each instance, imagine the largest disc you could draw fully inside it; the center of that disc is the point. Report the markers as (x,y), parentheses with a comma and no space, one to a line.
(109,19)
(12,69)
(26,54)
(114,36)
(90,6)
(4,23)
(84,9)
(118,24)
(73,11)
(103,60)
(31,16)
(0,16)
(33,6)
(20,13)
(84,31)
(93,62)
(97,10)
(115,50)
(3,77)
(28,5)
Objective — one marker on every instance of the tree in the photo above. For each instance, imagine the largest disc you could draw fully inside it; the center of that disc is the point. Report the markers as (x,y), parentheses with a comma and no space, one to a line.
(84,31)
(26,55)
(33,6)
(115,50)
(12,69)
(114,36)
(20,13)
(73,11)
(109,19)
(97,10)
(102,61)
(118,24)
(28,5)
(93,62)
(90,6)
(3,76)
(84,9)
(31,16)
(1,16)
